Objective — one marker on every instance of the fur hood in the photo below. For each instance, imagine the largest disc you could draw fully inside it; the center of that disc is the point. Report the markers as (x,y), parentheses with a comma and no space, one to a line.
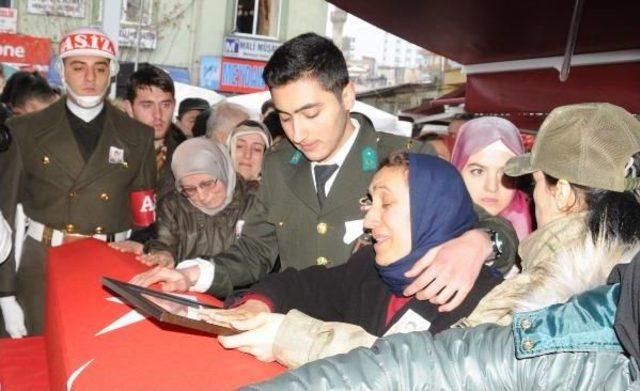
(577,269)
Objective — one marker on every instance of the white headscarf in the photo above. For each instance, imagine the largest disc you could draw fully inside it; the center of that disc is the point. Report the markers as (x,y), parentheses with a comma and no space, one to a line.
(202,155)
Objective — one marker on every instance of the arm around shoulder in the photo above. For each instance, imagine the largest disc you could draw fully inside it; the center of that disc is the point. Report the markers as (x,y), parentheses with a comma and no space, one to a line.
(505,236)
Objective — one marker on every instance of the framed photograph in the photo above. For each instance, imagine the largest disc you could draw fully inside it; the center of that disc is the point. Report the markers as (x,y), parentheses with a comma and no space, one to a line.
(165,307)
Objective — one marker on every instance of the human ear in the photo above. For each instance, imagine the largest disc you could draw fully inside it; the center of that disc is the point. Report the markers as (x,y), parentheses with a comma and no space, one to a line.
(564,196)
(126,105)
(348,96)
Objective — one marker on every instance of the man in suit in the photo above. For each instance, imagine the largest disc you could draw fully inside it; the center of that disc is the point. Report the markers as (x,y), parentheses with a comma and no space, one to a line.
(80,168)
(307,210)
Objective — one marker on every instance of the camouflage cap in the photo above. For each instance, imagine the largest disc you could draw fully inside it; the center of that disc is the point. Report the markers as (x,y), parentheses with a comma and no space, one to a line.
(586,144)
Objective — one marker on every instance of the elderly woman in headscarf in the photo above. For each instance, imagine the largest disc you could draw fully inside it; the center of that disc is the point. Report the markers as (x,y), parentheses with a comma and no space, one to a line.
(202,217)
(248,143)
(481,151)
(418,202)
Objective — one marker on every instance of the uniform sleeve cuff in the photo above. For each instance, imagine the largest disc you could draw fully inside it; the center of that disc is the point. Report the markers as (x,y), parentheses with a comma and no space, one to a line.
(207,272)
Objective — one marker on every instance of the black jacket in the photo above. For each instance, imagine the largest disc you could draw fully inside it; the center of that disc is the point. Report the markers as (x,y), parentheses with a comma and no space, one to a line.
(355,293)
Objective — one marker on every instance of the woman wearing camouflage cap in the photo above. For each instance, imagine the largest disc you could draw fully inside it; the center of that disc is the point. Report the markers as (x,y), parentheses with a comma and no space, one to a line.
(585,165)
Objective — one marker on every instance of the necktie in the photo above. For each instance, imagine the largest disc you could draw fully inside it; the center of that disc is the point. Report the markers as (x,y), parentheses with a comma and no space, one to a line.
(323,173)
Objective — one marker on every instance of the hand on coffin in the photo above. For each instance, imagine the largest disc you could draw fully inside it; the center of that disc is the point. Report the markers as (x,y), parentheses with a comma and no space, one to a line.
(247,310)
(171,280)
(446,274)
(158,258)
(127,246)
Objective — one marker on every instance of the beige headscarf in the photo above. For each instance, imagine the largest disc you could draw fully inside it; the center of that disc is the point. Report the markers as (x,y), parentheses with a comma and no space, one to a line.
(201,155)
(248,127)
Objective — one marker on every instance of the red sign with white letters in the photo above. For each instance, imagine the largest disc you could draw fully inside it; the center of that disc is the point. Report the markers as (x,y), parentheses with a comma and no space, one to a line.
(24,49)
(87,41)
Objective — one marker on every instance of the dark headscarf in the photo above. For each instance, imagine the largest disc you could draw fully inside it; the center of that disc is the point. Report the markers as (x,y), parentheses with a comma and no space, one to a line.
(627,321)
(441,209)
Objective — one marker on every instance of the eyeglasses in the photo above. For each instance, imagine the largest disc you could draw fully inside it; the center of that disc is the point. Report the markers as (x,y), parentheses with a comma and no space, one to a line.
(365,202)
(192,191)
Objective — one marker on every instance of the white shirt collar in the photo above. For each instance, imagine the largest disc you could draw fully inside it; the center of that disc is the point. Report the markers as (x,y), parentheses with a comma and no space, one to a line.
(342,153)
(84,114)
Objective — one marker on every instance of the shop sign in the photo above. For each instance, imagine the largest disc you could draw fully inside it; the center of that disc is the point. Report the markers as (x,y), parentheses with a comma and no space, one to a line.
(22,50)
(210,72)
(129,38)
(249,48)
(72,8)
(8,20)
(241,76)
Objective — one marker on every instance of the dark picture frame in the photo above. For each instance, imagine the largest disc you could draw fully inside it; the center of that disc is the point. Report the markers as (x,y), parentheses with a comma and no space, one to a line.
(165,307)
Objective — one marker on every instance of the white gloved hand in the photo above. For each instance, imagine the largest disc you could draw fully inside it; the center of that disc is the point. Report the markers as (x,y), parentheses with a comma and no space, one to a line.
(13,317)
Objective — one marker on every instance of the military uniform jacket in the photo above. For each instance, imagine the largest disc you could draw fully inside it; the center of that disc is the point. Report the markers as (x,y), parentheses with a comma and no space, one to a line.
(287,220)
(45,171)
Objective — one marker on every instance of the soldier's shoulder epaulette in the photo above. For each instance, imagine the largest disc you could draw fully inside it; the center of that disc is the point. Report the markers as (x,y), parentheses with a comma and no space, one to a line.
(281,152)
(388,143)
(30,122)
(131,129)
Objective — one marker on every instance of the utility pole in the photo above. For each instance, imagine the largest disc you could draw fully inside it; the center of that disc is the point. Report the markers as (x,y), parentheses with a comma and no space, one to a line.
(111,16)
(139,36)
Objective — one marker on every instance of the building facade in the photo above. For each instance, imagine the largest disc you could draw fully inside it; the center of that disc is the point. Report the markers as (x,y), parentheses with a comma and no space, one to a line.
(217,44)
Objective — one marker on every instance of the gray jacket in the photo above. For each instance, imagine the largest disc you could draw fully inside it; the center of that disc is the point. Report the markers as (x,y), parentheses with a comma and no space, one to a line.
(563,347)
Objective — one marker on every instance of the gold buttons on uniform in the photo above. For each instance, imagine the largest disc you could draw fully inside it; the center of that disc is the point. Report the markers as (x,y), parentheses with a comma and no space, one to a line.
(99,230)
(69,228)
(72,194)
(525,324)
(104,197)
(46,160)
(322,228)
(281,224)
(125,164)
(527,345)
(322,261)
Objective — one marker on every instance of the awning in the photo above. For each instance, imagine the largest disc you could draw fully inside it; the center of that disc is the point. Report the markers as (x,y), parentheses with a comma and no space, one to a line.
(486,32)
(530,93)
(473,32)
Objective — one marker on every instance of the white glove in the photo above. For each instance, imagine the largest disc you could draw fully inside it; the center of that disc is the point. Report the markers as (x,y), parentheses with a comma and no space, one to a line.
(5,239)
(13,317)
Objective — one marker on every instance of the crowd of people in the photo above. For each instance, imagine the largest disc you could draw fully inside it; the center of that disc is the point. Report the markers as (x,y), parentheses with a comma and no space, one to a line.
(373,261)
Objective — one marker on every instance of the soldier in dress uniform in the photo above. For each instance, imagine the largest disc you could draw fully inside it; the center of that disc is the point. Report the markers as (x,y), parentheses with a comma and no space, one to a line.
(308,211)
(80,168)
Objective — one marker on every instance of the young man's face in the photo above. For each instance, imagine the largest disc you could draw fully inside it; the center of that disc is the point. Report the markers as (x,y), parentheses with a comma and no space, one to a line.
(87,75)
(187,121)
(152,107)
(315,120)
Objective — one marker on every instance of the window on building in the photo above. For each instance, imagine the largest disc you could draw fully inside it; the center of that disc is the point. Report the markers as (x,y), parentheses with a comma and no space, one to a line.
(133,10)
(5,3)
(258,17)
